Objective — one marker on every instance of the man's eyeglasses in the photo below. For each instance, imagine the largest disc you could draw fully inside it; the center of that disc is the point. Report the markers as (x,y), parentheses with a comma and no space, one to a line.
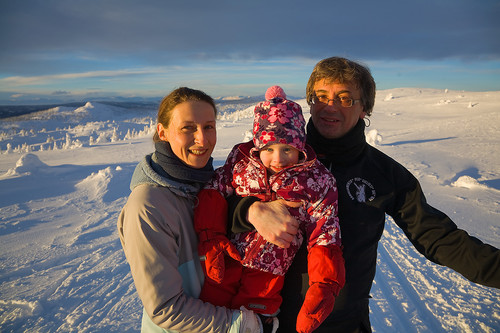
(343,101)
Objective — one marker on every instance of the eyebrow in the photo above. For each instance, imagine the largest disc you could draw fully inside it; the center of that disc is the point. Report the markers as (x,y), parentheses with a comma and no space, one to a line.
(340,92)
(194,122)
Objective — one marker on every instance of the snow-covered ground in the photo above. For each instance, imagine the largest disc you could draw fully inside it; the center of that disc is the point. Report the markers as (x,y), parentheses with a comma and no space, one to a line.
(64,176)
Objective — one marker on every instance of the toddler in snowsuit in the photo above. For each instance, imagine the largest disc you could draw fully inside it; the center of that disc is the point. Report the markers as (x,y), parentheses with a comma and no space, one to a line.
(243,269)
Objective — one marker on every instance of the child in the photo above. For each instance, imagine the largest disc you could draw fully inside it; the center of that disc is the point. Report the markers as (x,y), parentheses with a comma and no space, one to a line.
(247,270)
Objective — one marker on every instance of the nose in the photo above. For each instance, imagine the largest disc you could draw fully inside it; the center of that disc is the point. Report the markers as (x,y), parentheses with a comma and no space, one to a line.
(328,107)
(331,105)
(278,157)
(200,138)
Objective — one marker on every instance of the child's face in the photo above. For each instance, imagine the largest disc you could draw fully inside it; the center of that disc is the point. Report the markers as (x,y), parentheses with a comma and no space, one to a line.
(278,156)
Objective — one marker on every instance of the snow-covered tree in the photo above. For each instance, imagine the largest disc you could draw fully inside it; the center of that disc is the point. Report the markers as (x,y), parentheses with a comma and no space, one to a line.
(114,136)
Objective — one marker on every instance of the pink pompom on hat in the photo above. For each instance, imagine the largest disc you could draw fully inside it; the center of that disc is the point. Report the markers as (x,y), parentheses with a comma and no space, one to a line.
(278,120)
(273,92)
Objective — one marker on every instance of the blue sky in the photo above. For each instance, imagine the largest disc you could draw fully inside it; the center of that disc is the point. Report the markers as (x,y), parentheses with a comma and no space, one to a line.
(78,50)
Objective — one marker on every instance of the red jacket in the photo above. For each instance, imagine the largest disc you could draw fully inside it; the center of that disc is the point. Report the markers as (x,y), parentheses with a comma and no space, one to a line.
(308,181)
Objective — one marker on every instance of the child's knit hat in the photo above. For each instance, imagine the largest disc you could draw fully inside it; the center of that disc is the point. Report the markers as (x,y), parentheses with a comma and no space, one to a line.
(278,120)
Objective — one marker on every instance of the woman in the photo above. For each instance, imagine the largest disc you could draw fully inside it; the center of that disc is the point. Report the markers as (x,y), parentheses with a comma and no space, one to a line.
(156,224)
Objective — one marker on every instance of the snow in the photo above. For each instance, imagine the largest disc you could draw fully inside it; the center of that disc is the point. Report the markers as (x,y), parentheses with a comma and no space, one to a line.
(64,177)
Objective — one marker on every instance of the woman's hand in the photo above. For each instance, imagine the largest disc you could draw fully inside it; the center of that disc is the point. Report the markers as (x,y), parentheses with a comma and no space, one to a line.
(273,221)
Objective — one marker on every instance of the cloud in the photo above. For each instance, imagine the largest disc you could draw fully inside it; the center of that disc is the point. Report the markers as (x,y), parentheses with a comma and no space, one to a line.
(61,93)
(155,33)
(236,47)
(13,81)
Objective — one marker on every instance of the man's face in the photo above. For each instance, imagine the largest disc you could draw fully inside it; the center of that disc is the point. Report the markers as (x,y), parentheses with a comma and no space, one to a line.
(332,120)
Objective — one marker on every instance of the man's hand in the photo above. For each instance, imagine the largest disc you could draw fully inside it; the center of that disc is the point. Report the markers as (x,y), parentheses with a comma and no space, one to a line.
(273,221)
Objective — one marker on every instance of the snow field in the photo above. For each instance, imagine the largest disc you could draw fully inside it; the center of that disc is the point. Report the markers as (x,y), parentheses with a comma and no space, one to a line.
(61,263)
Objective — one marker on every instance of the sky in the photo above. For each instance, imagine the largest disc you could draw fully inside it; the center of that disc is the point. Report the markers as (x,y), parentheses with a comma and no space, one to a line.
(59,50)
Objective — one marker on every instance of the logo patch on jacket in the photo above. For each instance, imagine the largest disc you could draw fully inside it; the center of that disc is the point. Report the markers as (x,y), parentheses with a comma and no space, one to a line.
(360,189)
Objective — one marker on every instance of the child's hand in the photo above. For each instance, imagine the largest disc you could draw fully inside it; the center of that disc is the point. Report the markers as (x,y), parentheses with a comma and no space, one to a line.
(318,304)
(214,250)
(325,266)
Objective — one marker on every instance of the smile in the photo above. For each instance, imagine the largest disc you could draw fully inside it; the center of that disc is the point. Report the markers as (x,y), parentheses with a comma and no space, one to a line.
(277,168)
(330,120)
(198,152)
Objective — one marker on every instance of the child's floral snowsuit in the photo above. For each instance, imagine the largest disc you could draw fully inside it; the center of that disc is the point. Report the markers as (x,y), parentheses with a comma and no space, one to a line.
(309,182)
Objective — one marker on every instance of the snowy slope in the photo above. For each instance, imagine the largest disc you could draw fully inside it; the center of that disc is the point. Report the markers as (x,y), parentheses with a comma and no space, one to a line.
(62,267)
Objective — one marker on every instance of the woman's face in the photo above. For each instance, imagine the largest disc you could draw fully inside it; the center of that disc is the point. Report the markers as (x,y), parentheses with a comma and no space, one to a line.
(191,132)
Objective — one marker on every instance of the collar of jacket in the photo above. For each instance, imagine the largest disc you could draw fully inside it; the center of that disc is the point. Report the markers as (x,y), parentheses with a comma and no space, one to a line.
(144,173)
(341,151)
(167,164)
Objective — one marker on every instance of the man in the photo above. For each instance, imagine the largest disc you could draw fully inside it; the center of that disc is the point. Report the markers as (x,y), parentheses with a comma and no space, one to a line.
(341,93)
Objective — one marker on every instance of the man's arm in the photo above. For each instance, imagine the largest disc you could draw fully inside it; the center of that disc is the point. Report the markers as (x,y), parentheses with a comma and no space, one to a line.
(271,219)
(437,237)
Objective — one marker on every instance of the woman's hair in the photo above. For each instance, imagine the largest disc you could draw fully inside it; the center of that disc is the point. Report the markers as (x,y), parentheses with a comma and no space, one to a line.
(341,70)
(176,97)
